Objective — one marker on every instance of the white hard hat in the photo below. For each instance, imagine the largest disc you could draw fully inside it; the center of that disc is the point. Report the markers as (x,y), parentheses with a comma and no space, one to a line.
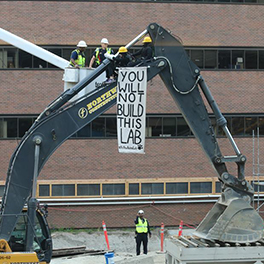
(105,41)
(82,44)
(141,212)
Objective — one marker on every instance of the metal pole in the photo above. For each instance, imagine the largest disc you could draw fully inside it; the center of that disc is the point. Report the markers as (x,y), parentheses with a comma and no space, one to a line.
(221,121)
(32,203)
(258,167)
(33,49)
(136,39)
(253,160)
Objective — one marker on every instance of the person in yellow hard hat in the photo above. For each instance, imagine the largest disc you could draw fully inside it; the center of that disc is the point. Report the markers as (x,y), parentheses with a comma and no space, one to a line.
(145,53)
(121,60)
(77,59)
(123,57)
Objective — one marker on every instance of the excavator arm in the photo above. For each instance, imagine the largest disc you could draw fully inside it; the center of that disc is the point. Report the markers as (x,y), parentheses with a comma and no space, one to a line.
(232,218)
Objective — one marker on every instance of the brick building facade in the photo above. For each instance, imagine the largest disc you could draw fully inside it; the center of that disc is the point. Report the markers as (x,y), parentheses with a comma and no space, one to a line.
(29,91)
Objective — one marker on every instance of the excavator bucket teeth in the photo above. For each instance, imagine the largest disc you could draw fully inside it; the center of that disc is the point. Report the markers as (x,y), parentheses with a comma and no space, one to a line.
(236,222)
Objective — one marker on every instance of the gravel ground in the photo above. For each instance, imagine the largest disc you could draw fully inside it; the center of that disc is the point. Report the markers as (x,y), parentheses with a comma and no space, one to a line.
(84,259)
(121,242)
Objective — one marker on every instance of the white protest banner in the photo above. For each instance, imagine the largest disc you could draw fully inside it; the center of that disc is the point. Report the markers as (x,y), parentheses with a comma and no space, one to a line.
(131,109)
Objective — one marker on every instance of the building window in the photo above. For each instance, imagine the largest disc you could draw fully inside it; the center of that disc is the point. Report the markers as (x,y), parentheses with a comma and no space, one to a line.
(98,127)
(114,189)
(23,125)
(238,59)
(169,126)
(203,57)
(218,186)
(152,188)
(39,63)
(154,126)
(251,59)
(261,126)
(258,186)
(261,59)
(210,59)
(133,188)
(183,129)
(176,187)
(201,187)
(25,60)
(224,59)
(197,57)
(111,127)
(251,124)
(63,190)
(44,190)
(88,189)
(57,52)
(8,128)
(84,132)
(162,126)
(238,126)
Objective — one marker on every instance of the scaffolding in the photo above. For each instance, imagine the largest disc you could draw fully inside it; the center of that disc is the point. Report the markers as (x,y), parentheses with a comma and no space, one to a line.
(257,173)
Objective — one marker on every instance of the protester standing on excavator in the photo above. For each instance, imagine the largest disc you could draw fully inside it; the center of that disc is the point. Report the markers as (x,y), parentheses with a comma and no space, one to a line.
(77,59)
(145,53)
(99,56)
(142,231)
(121,60)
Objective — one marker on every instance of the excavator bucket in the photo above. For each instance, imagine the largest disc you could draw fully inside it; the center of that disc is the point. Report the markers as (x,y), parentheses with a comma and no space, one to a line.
(235,222)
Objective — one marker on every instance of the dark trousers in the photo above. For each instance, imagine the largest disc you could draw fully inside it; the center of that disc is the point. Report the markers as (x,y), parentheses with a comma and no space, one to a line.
(142,237)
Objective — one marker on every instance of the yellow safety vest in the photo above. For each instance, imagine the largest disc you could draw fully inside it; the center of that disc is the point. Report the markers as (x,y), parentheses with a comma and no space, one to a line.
(142,227)
(108,50)
(80,60)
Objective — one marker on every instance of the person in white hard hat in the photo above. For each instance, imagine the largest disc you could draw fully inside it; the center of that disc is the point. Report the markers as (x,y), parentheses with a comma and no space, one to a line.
(142,231)
(99,55)
(77,59)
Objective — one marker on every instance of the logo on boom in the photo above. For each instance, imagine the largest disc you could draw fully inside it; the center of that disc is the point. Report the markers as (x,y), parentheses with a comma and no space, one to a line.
(83,113)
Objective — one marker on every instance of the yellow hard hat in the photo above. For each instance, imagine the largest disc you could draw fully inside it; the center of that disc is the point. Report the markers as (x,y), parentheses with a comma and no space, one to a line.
(122,49)
(147,40)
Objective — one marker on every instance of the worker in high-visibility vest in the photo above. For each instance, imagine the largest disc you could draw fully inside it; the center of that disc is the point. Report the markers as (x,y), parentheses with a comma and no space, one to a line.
(142,231)
(99,56)
(77,59)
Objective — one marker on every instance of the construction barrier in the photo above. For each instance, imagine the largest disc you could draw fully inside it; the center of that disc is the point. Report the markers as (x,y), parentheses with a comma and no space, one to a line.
(106,236)
(161,237)
(180,229)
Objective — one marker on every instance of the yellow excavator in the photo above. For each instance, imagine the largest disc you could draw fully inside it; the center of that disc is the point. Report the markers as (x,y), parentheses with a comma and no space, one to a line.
(24,233)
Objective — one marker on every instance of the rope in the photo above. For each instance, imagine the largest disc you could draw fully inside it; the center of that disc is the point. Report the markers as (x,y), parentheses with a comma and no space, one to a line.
(171,216)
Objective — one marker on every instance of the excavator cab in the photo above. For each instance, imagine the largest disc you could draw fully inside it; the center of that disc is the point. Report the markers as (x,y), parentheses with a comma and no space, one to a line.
(42,244)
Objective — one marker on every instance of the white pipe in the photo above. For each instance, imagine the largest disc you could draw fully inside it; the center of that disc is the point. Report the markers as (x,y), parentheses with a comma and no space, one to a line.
(151,198)
(136,39)
(33,49)
(137,202)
